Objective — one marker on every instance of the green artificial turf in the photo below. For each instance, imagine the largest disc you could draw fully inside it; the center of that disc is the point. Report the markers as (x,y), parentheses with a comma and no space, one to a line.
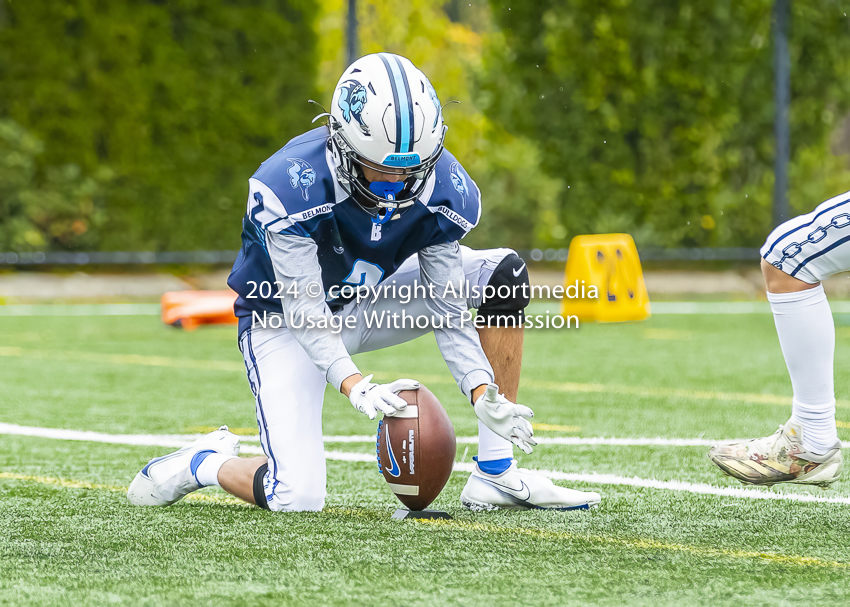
(68,536)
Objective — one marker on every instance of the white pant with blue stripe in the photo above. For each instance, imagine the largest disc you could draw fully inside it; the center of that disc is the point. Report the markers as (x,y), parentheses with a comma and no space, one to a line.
(815,246)
(289,389)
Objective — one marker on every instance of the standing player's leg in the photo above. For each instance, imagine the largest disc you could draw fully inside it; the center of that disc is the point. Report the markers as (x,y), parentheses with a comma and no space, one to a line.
(807,338)
(288,391)
(797,256)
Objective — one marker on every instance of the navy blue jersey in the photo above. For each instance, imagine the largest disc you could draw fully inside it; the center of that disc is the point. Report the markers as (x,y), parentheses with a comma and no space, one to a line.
(296,192)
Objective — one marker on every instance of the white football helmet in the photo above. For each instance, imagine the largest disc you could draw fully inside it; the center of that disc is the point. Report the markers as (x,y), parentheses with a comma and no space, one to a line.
(386,116)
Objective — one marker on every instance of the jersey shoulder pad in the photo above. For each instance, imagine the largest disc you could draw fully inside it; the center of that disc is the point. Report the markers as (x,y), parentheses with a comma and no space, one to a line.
(294,185)
(456,197)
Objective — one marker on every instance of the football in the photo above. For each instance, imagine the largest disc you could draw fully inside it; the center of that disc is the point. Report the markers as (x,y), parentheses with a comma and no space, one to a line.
(416,449)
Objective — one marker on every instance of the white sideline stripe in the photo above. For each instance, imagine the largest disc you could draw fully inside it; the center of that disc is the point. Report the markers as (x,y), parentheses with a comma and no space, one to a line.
(542,440)
(180,440)
(594,479)
(698,488)
(148,440)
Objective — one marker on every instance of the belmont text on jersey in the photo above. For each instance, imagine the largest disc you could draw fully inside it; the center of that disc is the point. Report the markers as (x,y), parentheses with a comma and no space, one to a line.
(296,192)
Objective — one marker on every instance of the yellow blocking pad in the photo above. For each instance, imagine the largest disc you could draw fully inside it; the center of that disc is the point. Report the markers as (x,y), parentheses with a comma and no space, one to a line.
(610,263)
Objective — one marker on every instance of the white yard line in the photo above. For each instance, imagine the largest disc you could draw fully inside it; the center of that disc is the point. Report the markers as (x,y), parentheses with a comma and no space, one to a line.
(180,440)
(541,440)
(175,440)
(698,488)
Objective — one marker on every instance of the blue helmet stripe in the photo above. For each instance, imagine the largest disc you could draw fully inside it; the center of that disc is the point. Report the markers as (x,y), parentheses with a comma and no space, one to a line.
(394,86)
(401,96)
(407,133)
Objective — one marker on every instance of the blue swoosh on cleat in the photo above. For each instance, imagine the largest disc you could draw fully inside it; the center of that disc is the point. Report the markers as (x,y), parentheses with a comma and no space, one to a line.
(395,470)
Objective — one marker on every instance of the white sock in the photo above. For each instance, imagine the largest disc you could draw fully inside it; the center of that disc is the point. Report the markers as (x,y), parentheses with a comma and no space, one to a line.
(491,446)
(819,431)
(807,337)
(207,473)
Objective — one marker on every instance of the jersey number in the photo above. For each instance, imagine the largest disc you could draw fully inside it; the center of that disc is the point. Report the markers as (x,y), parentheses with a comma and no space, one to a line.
(364,273)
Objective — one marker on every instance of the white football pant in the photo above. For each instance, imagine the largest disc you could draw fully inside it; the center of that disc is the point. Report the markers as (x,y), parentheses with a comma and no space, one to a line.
(811,248)
(814,246)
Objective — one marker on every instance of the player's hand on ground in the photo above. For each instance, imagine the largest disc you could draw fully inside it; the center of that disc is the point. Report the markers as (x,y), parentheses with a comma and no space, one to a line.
(369,398)
(505,418)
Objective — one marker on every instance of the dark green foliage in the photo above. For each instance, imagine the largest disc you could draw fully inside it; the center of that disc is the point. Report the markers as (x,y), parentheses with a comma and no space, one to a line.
(181,100)
(48,207)
(658,115)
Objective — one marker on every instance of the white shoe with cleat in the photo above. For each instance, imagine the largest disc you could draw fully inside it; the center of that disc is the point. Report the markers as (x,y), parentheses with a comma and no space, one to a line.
(167,479)
(522,489)
(778,458)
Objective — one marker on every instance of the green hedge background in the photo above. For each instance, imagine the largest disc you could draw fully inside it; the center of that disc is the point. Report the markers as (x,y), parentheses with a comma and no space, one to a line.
(128,125)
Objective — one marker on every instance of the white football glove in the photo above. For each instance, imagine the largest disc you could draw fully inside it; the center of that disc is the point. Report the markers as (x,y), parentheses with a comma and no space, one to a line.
(505,418)
(369,398)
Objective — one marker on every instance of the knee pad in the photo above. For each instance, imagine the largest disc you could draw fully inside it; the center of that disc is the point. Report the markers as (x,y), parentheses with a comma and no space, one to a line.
(259,488)
(507,294)
(310,498)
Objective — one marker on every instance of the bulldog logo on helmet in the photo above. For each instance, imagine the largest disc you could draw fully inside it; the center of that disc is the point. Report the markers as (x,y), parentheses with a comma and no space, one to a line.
(301,176)
(352,100)
(458,181)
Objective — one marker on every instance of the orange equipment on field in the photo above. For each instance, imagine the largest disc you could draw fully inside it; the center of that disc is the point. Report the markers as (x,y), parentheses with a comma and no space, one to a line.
(189,309)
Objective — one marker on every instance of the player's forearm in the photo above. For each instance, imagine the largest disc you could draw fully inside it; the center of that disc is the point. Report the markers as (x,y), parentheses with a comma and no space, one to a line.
(459,345)
(465,359)
(295,262)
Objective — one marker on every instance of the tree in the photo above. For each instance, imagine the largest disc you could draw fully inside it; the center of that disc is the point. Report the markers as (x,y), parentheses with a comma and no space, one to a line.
(657,116)
(48,208)
(181,101)
(506,167)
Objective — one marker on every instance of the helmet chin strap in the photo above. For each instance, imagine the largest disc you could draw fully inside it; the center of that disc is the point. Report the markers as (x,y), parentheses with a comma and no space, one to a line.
(387,190)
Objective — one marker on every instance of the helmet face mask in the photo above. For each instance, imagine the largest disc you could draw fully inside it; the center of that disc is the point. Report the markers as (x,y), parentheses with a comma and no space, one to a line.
(385,117)
(352,177)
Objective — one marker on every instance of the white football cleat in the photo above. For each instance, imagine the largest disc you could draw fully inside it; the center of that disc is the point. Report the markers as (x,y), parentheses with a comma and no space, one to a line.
(521,489)
(167,479)
(778,458)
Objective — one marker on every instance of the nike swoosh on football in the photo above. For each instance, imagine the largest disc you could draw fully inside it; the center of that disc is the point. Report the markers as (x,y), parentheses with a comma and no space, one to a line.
(518,270)
(395,470)
(522,493)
